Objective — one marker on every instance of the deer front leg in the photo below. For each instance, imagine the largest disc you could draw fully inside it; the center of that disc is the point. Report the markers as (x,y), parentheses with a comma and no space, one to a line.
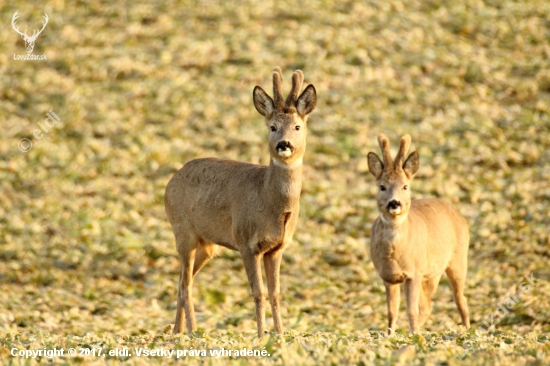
(254,273)
(272,263)
(392,299)
(412,293)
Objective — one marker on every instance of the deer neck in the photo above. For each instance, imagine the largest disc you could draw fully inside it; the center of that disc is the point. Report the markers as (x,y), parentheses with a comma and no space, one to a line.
(394,231)
(284,183)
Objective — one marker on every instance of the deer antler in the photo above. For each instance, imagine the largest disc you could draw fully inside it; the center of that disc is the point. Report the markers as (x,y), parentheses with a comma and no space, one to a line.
(403,148)
(297,80)
(288,105)
(15,16)
(385,147)
(277,88)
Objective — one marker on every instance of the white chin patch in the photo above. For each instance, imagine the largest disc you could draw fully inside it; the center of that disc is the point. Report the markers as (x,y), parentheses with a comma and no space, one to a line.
(395,211)
(285,153)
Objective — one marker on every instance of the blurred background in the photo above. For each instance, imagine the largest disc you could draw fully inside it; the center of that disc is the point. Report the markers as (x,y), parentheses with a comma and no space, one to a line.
(141,88)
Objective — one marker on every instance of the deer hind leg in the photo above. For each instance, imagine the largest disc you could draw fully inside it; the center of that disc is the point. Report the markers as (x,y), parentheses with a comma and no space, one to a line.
(254,273)
(457,277)
(393,293)
(205,252)
(272,264)
(429,287)
(186,242)
(413,288)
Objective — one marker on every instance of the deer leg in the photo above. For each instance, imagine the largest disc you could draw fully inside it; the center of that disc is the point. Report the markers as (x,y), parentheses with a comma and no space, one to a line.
(186,244)
(254,273)
(272,263)
(392,300)
(178,325)
(413,287)
(185,301)
(205,252)
(425,303)
(424,307)
(457,277)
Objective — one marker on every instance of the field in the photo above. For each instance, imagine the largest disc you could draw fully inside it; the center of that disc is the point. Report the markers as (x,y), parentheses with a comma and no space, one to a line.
(87,256)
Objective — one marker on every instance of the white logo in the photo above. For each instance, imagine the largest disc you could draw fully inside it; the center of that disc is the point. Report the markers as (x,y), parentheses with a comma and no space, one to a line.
(29,40)
(52,119)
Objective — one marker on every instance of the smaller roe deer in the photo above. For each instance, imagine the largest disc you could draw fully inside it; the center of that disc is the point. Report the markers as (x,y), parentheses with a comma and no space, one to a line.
(415,242)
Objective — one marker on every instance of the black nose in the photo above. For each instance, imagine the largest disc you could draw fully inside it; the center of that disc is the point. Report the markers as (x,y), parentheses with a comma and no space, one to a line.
(394,204)
(283,145)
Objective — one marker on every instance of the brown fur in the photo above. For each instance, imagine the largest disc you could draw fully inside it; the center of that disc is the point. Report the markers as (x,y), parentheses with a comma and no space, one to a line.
(416,242)
(249,208)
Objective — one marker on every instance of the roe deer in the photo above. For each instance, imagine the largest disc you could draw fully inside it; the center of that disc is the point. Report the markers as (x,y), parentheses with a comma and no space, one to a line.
(415,242)
(249,208)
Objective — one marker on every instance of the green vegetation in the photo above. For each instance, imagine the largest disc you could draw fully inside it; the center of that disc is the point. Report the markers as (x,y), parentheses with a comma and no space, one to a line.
(87,257)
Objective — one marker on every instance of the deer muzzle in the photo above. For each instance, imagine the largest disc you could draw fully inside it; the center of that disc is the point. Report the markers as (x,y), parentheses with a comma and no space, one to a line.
(284,148)
(394,207)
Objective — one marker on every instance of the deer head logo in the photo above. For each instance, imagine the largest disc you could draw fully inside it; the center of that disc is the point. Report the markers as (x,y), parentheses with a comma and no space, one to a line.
(29,41)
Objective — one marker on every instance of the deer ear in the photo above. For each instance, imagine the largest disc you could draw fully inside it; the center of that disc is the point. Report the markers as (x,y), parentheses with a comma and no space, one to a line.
(307,101)
(411,164)
(262,102)
(376,166)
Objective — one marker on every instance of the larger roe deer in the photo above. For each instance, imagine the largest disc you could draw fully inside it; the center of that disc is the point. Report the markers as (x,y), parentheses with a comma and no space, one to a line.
(415,241)
(249,208)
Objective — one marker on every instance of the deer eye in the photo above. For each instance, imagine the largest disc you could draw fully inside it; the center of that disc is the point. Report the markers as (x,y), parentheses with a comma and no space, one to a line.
(273,128)
(382,188)
(297,128)
(405,187)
